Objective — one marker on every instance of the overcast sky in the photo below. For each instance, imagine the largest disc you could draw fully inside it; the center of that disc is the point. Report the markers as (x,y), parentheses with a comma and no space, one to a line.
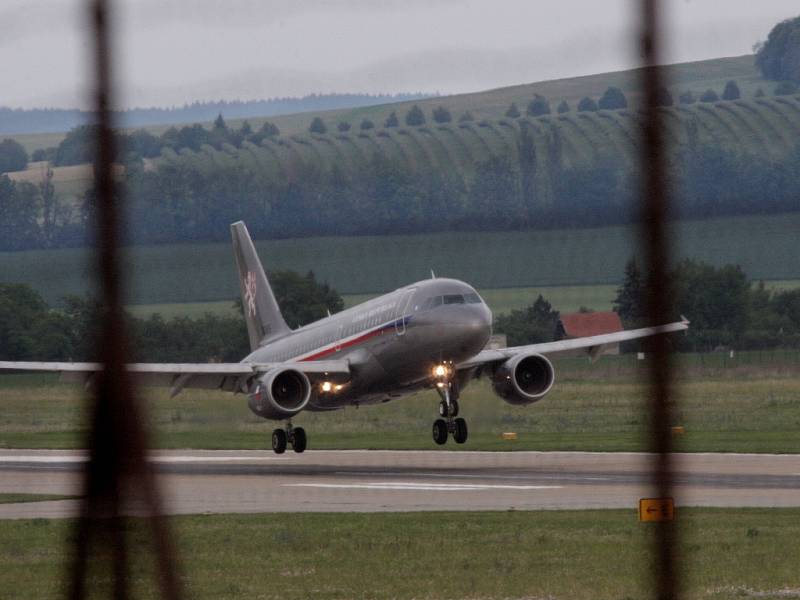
(176,51)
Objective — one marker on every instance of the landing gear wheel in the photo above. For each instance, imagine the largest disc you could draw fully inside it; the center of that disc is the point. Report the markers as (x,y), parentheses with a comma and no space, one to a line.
(440,431)
(453,407)
(279,441)
(460,434)
(299,440)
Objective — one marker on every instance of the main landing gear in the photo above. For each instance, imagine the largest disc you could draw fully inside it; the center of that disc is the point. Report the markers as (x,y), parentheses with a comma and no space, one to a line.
(448,409)
(296,436)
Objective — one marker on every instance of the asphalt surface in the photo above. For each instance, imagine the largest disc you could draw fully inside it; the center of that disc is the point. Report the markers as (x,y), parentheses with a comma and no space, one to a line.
(369,481)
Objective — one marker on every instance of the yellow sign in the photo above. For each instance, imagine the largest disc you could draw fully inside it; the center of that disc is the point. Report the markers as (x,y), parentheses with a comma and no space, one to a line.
(656,509)
(509,435)
(678,430)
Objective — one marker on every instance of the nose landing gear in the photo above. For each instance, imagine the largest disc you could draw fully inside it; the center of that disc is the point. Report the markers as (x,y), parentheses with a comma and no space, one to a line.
(296,436)
(447,386)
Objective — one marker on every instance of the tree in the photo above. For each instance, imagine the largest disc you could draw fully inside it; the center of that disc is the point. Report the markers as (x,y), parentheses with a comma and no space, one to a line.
(442,115)
(779,57)
(12,156)
(613,99)
(629,303)
(687,97)
(302,299)
(664,97)
(786,88)
(587,104)
(513,111)
(531,325)
(538,107)
(466,117)
(415,116)
(367,124)
(343,126)
(246,130)
(709,96)
(563,107)
(759,93)
(391,120)
(318,126)
(731,91)
(269,130)
(19,229)
(219,123)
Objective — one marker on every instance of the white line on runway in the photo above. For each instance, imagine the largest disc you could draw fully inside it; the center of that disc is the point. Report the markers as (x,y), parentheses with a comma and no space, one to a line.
(432,487)
(155,459)
(474,476)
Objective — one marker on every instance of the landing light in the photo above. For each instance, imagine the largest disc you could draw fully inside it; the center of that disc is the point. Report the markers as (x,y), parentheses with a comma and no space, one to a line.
(327,386)
(439,371)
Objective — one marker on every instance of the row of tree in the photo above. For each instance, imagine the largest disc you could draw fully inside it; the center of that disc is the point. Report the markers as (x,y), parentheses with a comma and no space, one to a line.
(30,330)
(725,310)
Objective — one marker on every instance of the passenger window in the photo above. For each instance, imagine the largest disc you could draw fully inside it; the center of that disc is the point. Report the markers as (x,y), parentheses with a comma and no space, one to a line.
(454,299)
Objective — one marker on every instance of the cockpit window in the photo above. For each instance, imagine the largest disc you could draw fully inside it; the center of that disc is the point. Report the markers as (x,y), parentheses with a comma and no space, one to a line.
(453,299)
(472,298)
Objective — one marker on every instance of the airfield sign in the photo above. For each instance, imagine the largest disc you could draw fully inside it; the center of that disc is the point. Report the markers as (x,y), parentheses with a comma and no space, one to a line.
(656,509)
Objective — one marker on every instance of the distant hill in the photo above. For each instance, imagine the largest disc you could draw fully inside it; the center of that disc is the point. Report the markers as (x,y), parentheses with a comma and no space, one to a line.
(55,120)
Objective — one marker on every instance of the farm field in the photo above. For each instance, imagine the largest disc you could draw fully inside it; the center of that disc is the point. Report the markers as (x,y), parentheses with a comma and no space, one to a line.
(765,247)
(492,104)
(390,555)
(750,403)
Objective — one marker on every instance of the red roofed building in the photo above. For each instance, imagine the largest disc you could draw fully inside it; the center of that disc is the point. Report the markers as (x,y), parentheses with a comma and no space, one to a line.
(586,324)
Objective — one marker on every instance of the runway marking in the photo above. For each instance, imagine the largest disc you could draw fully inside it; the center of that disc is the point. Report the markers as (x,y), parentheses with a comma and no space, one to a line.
(413,486)
(473,476)
(154,459)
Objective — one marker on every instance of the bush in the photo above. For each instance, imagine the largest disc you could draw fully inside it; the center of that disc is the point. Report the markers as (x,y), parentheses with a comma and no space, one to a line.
(442,115)
(343,126)
(392,121)
(12,156)
(786,88)
(687,97)
(415,116)
(513,111)
(779,57)
(466,117)
(538,107)
(709,96)
(318,126)
(563,107)
(759,93)
(587,104)
(731,91)
(367,124)
(613,99)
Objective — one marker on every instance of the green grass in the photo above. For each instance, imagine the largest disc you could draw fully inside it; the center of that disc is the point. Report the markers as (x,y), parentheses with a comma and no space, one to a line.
(747,404)
(765,247)
(597,555)
(19,498)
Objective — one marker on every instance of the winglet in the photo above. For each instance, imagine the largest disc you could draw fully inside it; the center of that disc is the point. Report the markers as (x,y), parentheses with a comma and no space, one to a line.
(261,312)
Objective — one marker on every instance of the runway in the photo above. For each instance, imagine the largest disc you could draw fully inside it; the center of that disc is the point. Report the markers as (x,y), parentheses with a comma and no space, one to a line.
(196,482)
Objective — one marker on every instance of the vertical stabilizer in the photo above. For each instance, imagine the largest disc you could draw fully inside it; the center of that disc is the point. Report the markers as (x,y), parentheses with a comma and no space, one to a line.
(261,312)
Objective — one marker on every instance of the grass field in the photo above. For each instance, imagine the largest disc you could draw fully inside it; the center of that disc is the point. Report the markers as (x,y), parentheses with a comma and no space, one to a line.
(747,404)
(597,555)
(765,246)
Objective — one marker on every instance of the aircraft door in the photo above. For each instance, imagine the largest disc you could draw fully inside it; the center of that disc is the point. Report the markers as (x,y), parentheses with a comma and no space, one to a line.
(402,310)
(339,335)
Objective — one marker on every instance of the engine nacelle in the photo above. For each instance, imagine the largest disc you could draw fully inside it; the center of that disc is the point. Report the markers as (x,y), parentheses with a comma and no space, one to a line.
(523,379)
(280,394)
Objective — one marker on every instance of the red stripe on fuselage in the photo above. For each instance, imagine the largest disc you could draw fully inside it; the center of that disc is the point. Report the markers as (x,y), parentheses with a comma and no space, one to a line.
(349,343)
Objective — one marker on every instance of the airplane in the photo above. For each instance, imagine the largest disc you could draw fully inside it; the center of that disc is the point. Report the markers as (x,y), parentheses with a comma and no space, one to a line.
(430,334)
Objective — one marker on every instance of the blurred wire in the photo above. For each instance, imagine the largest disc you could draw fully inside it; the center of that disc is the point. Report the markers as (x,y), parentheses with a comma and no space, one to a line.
(656,245)
(117,473)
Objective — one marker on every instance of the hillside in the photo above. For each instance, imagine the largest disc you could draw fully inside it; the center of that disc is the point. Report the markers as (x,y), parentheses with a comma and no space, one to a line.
(492,104)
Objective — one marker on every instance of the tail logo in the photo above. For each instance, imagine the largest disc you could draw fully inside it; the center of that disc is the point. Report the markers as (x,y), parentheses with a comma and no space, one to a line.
(250,293)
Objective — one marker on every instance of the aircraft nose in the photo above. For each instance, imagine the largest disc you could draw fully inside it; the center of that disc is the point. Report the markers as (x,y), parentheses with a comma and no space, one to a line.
(476,320)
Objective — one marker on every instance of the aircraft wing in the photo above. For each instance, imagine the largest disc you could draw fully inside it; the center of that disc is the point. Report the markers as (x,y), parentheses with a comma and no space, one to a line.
(594,345)
(231,377)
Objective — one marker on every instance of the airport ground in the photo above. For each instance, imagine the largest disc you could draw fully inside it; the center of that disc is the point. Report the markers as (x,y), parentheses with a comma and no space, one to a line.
(727,553)
(750,403)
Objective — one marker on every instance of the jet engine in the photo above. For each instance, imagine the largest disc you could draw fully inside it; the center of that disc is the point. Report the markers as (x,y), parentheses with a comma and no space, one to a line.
(280,394)
(523,379)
